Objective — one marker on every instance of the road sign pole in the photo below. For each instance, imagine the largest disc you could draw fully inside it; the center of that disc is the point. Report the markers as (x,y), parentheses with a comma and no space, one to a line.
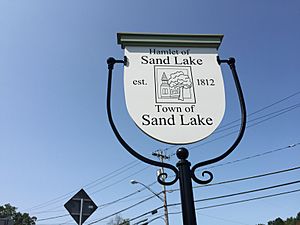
(80,214)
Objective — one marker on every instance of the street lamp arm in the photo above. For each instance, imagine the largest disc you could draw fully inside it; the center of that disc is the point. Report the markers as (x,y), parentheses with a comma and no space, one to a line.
(111,62)
(148,188)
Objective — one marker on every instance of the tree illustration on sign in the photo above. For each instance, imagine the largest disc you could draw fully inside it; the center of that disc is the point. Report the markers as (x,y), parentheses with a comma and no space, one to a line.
(179,80)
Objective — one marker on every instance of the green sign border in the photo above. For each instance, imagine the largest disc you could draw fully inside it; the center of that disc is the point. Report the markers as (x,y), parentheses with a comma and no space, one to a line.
(170,40)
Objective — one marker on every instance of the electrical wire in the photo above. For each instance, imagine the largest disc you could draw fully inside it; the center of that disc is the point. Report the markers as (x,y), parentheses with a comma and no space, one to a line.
(276,113)
(53,217)
(117,182)
(250,191)
(126,196)
(265,107)
(223,182)
(122,210)
(279,112)
(231,195)
(200,200)
(249,199)
(64,196)
(248,126)
(109,176)
(250,114)
(251,157)
(55,200)
(214,217)
(214,184)
(219,183)
(223,219)
(254,156)
(242,193)
(243,178)
(228,181)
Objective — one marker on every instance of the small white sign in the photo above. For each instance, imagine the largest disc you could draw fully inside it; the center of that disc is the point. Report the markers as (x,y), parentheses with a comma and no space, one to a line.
(174,94)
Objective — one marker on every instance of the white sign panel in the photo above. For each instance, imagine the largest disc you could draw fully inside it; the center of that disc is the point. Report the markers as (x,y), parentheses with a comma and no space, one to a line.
(175,95)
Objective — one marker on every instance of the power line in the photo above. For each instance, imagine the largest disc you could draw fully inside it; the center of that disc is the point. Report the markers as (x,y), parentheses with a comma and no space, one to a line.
(214,217)
(61,223)
(251,157)
(65,196)
(228,181)
(280,112)
(125,178)
(223,182)
(248,126)
(244,178)
(106,186)
(47,211)
(249,199)
(253,113)
(50,202)
(254,156)
(126,196)
(231,195)
(250,191)
(276,113)
(244,200)
(241,193)
(223,219)
(122,210)
(53,217)
(109,176)
(219,183)
(265,107)
(201,200)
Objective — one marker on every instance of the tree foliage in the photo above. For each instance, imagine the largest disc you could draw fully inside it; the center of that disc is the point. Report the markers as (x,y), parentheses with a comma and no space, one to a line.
(8,211)
(288,221)
(181,81)
(118,220)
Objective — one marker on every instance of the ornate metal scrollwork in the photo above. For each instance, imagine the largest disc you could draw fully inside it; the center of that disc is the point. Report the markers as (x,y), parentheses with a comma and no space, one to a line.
(207,181)
(231,63)
(161,177)
(111,61)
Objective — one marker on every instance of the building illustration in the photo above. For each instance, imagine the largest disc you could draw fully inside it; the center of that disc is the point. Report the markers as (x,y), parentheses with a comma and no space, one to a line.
(174,85)
(165,89)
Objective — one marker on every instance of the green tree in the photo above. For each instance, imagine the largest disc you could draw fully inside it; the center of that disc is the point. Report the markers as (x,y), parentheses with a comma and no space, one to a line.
(298,216)
(118,220)
(8,211)
(277,221)
(288,221)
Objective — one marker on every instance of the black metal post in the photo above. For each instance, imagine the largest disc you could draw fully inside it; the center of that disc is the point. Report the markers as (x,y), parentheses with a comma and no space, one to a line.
(186,189)
(183,172)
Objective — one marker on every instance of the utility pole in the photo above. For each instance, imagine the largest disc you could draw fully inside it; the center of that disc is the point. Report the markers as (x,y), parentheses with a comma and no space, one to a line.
(162,156)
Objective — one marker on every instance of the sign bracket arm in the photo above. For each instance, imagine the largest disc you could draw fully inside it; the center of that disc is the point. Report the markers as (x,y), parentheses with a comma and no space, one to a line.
(111,62)
(231,63)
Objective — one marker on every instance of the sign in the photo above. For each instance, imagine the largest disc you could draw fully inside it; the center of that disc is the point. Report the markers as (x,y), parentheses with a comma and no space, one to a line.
(173,84)
(80,207)
(6,221)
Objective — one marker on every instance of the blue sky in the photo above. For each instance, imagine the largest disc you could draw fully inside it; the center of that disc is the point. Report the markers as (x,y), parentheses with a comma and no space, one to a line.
(54,133)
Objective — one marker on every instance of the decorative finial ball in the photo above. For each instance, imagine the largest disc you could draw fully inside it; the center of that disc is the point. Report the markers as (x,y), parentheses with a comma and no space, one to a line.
(182,153)
(111,60)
